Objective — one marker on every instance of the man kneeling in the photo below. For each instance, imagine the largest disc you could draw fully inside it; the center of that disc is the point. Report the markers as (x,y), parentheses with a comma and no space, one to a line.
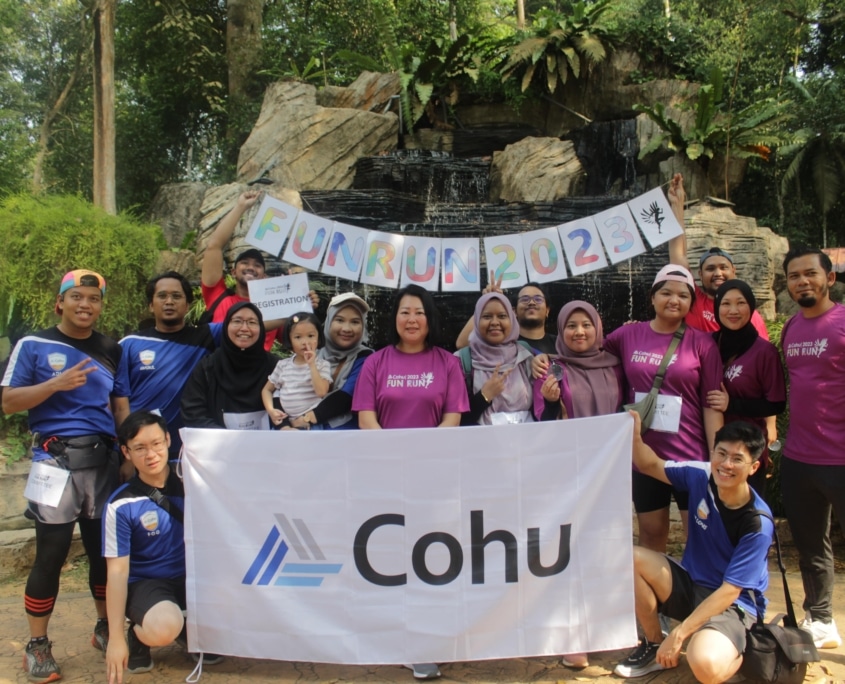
(725,555)
(144,547)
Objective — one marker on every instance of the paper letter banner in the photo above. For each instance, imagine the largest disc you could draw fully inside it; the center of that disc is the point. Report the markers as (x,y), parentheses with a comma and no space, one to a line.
(383,259)
(421,262)
(582,245)
(402,546)
(461,270)
(345,254)
(544,256)
(655,217)
(271,225)
(280,297)
(619,233)
(309,241)
(505,258)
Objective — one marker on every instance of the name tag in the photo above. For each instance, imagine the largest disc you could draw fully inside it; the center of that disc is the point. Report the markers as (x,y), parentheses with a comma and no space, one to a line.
(254,420)
(510,417)
(667,415)
(45,484)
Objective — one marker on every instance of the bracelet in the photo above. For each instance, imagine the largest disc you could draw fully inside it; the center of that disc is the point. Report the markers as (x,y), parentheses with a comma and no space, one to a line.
(489,401)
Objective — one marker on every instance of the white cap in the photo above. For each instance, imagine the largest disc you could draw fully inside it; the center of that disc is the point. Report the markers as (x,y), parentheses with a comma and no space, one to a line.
(349,299)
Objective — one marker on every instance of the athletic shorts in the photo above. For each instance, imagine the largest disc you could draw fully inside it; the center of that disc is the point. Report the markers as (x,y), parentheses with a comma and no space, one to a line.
(685,597)
(85,494)
(652,495)
(144,594)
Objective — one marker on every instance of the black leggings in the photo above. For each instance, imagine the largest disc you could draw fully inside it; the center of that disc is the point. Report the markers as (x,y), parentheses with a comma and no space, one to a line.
(52,544)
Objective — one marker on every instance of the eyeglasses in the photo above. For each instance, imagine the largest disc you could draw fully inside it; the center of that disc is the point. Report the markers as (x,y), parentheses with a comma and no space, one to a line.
(175,296)
(241,322)
(143,449)
(734,459)
(527,299)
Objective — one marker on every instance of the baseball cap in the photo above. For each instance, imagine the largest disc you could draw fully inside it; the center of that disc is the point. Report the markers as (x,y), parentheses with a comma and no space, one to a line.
(251,254)
(81,278)
(714,251)
(674,272)
(349,299)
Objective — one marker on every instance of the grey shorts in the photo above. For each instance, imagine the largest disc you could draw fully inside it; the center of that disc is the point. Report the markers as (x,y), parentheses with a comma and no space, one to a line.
(685,597)
(85,494)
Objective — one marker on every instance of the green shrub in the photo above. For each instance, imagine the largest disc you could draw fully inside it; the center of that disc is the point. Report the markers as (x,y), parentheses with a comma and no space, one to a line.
(44,237)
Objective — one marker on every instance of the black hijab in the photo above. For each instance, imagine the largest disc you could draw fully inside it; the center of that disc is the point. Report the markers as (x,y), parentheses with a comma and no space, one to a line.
(734,343)
(240,374)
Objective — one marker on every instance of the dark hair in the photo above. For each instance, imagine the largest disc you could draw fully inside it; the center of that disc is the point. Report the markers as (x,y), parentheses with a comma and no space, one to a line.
(799,250)
(153,282)
(432,315)
(136,420)
(296,319)
(739,431)
(540,287)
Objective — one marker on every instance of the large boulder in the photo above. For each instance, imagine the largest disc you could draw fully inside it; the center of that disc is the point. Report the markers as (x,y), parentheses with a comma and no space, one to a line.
(370,92)
(536,170)
(757,251)
(176,208)
(307,147)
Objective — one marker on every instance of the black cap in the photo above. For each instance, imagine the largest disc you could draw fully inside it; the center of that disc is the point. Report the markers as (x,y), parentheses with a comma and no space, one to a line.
(251,254)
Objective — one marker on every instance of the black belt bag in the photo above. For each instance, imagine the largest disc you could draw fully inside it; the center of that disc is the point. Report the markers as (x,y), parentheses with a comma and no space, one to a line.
(78,453)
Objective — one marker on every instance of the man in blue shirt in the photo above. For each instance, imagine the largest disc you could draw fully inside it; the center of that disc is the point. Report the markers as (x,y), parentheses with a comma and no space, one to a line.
(144,548)
(161,359)
(72,381)
(724,559)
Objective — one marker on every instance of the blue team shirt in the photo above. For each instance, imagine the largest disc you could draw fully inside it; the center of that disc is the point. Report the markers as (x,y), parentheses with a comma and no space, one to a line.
(711,557)
(159,364)
(135,526)
(82,411)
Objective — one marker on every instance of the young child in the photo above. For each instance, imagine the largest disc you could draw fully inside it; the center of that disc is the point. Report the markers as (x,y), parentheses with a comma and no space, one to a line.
(302,379)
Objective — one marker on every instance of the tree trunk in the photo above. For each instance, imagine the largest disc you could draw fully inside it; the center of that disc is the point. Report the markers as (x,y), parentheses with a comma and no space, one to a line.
(520,14)
(243,53)
(51,115)
(104,153)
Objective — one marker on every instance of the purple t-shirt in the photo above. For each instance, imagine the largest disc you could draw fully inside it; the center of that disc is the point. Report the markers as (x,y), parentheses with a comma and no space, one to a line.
(696,370)
(814,349)
(411,390)
(756,374)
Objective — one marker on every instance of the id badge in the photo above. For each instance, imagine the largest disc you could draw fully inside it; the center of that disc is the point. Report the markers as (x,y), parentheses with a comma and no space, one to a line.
(667,415)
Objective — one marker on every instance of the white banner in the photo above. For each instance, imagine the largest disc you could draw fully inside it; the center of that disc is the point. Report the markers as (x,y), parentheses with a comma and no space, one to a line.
(280,297)
(400,546)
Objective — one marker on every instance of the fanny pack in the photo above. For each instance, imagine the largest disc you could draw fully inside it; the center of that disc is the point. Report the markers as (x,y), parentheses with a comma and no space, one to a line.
(78,453)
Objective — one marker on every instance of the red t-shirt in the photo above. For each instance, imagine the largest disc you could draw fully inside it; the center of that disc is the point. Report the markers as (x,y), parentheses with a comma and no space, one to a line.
(702,315)
(212,294)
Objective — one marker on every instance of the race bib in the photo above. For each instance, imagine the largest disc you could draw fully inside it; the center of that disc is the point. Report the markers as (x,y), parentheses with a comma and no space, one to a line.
(254,420)
(45,484)
(667,415)
(510,417)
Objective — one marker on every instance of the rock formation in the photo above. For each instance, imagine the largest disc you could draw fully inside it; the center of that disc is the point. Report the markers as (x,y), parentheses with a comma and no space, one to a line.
(536,170)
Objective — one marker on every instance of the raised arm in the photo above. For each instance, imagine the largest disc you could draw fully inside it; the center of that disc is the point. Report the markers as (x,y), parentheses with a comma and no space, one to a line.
(678,245)
(212,260)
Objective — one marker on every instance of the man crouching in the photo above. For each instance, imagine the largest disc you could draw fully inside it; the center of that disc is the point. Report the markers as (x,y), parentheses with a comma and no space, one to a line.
(725,555)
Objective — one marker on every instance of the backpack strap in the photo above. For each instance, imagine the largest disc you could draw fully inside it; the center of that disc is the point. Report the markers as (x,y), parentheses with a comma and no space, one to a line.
(159,499)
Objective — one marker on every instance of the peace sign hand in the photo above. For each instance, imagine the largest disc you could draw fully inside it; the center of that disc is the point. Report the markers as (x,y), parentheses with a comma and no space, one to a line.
(493,285)
(495,384)
(73,377)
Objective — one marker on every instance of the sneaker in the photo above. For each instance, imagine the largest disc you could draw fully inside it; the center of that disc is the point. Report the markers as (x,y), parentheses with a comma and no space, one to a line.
(39,663)
(641,661)
(208,658)
(425,670)
(824,634)
(100,638)
(140,659)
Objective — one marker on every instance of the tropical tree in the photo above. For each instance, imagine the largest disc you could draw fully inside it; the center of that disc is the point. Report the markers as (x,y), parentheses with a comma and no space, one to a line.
(560,44)
(818,158)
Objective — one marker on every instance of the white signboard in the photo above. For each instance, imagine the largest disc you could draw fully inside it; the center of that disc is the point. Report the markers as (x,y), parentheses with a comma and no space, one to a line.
(655,217)
(271,225)
(280,297)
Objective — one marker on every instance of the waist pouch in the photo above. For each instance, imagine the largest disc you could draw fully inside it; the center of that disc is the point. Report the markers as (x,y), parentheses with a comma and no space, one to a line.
(78,453)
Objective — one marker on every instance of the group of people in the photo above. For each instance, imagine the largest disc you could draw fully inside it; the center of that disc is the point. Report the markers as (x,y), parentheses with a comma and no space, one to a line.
(720,387)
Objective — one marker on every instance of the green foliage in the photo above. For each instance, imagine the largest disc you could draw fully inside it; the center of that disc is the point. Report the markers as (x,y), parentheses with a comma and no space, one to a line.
(43,238)
(750,132)
(14,436)
(558,43)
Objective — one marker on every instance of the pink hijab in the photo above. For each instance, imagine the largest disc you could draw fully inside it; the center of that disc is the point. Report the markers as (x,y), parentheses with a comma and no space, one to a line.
(591,376)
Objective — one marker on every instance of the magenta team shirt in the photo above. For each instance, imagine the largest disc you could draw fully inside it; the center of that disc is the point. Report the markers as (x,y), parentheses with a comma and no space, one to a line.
(814,349)
(757,374)
(411,390)
(695,370)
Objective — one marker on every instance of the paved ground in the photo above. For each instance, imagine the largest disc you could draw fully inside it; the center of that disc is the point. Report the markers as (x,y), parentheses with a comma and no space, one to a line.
(72,622)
